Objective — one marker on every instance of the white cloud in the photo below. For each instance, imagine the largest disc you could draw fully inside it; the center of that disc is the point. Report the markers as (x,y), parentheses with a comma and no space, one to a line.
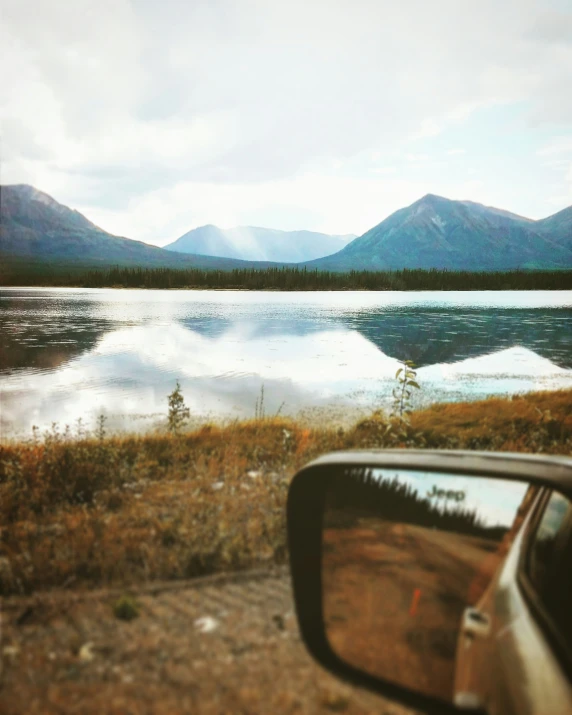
(429,128)
(556,163)
(328,202)
(384,170)
(557,146)
(454,152)
(556,202)
(331,203)
(115,102)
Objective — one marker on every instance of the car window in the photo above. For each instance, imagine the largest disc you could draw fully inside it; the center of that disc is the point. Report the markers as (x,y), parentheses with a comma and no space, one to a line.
(549,562)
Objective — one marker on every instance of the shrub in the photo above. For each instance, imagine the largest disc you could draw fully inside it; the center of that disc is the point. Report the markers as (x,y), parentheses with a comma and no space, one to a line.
(126,608)
(179,413)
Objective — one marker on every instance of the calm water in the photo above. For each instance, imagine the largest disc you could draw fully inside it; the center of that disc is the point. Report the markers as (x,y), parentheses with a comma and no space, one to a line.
(70,353)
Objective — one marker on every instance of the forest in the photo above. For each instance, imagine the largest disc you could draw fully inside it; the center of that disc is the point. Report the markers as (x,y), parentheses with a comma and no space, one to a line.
(359,493)
(287,279)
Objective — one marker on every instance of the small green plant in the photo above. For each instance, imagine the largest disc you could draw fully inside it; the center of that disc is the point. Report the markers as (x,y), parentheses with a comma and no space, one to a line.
(179,413)
(100,431)
(79,429)
(259,413)
(406,377)
(126,608)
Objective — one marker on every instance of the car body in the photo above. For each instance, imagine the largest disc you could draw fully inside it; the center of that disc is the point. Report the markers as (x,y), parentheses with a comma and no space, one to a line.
(514,652)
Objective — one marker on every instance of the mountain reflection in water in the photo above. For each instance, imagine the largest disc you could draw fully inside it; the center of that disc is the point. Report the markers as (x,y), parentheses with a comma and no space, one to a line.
(77,353)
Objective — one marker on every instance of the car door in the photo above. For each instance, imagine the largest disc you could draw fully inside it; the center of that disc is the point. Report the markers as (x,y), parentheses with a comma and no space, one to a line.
(530,654)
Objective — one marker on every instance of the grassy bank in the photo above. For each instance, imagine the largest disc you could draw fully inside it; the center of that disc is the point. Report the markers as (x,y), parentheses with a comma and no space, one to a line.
(130,509)
(282,278)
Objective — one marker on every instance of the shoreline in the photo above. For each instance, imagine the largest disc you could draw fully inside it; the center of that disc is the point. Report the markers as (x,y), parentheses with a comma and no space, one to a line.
(124,510)
(285,290)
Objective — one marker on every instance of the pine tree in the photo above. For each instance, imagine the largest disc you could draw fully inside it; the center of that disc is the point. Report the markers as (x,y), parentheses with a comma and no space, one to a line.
(179,413)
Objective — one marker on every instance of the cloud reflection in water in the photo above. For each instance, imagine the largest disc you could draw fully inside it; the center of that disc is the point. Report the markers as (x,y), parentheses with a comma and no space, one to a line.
(131,370)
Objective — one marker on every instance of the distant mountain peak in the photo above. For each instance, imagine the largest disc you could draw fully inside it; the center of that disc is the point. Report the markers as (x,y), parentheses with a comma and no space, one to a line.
(24,194)
(31,207)
(256,243)
(433,201)
(31,193)
(430,208)
(441,233)
(432,198)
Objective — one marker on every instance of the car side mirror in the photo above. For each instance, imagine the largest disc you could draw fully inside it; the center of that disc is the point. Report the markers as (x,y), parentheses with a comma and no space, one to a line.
(401,560)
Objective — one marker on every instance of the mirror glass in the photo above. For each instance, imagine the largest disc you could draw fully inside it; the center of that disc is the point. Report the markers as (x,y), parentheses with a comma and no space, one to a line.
(409,563)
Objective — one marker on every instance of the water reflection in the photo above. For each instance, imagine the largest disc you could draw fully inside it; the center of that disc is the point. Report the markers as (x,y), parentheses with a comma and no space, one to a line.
(430,335)
(70,354)
(44,332)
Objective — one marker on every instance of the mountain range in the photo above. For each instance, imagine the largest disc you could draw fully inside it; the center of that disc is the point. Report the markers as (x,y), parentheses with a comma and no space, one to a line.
(33,226)
(259,244)
(433,232)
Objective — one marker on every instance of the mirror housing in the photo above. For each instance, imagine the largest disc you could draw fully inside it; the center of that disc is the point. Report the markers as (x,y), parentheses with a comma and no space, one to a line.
(305,520)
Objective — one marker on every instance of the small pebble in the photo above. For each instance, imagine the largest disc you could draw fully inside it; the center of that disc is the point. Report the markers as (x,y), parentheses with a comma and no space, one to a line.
(85,654)
(206,624)
(11,651)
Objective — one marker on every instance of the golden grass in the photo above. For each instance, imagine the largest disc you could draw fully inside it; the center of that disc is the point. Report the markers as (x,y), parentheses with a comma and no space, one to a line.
(130,509)
(537,422)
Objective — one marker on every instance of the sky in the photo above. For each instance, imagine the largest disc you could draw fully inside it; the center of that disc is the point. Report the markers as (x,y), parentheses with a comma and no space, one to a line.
(152,117)
(495,500)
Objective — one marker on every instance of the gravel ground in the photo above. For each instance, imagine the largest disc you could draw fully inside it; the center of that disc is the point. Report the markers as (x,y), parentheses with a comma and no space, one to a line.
(225,644)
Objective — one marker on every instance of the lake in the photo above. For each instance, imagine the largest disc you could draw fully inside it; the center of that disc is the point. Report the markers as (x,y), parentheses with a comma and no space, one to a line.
(77,353)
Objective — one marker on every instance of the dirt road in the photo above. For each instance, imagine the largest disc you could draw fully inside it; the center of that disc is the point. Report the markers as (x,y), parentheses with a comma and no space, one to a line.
(216,645)
(394,595)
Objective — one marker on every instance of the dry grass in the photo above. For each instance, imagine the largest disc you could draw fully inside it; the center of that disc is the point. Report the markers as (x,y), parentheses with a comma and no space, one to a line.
(124,510)
(537,422)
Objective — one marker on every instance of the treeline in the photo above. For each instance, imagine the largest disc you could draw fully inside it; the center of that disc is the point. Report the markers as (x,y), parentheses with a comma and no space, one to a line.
(393,500)
(292,279)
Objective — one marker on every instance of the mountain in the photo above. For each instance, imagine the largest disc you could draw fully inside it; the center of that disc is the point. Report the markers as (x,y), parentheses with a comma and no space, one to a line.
(259,244)
(435,232)
(36,227)
(558,226)
(431,233)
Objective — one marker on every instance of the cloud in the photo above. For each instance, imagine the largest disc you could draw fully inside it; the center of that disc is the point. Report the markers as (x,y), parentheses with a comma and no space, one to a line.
(111,100)
(557,146)
(552,26)
(318,201)
(429,128)
(329,202)
(384,170)
(558,153)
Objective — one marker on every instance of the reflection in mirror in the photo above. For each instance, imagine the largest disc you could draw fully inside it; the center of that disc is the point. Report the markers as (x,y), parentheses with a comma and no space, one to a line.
(407,558)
